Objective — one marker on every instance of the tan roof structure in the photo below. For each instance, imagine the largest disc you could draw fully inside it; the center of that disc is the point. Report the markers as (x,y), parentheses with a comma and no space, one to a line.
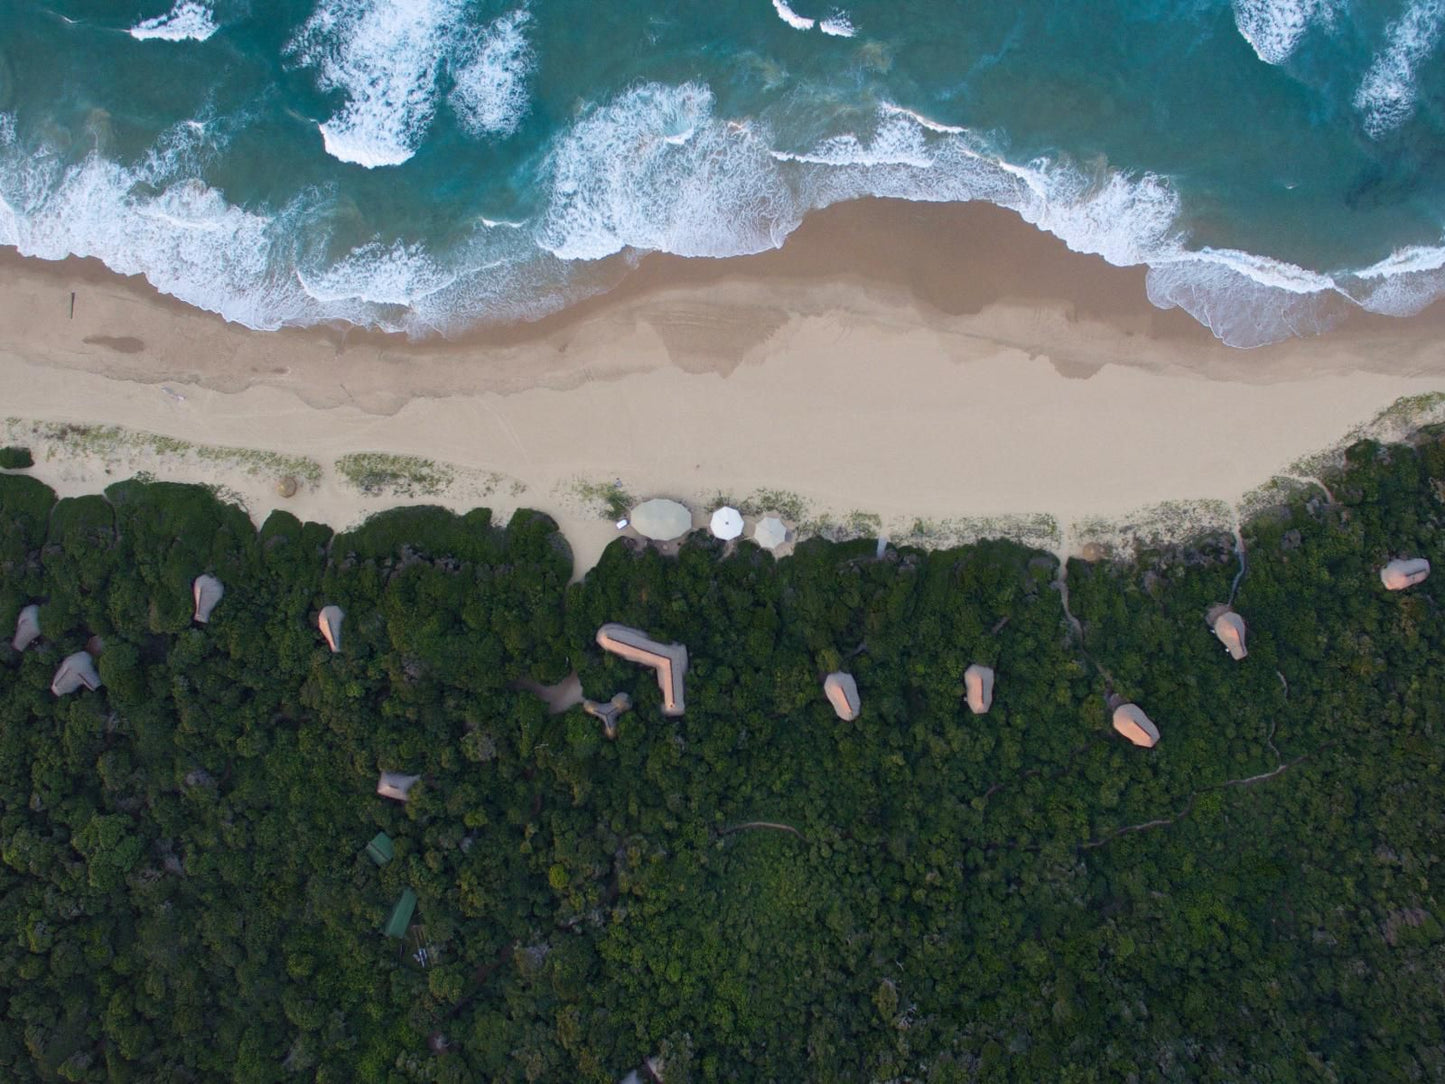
(207,591)
(329,622)
(395,786)
(1130,721)
(609,712)
(27,627)
(1229,627)
(669,660)
(661,520)
(75,671)
(1407,572)
(978,688)
(842,692)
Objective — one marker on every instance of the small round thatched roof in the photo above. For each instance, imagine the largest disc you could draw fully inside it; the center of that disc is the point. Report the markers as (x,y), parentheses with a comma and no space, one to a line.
(661,520)
(727,523)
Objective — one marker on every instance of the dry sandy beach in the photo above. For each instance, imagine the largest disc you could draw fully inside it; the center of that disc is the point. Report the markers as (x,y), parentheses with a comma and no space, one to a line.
(925,370)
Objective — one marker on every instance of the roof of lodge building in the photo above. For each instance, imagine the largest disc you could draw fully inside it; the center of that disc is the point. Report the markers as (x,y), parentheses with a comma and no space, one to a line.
(669,660)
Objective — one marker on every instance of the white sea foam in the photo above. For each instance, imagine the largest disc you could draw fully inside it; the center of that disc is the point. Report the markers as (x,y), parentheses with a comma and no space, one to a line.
(386,57)
(1405,261)
(1386,96)
(189,20)
(1274,28)
(263,269)
(395,274)
(489,92)
(791,17)
(1402,283)
(888,109)
(1246,300)
(655,170)
(895,143)
(838,24)
(185,239)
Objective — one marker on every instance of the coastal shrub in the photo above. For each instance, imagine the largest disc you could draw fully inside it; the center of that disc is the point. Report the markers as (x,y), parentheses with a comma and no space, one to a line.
(401,475)
(754,890)
(16,459)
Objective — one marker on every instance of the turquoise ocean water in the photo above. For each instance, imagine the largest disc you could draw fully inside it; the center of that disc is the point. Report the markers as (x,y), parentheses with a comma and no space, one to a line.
(427,165)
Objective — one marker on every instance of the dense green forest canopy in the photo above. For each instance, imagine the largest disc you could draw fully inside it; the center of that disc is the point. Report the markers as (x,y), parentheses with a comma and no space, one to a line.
(185,892)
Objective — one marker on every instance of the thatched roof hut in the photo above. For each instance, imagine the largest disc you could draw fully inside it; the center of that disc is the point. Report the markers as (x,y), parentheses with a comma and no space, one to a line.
(74,672)
(207,591)
(669,660)
(842,692)
(1406,572)
(978,688)
(27,627)
(1130,721)
(329,622)
(395,786)
(1230,629)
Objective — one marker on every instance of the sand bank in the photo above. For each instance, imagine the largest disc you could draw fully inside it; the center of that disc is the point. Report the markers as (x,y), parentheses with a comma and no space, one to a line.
(914,369)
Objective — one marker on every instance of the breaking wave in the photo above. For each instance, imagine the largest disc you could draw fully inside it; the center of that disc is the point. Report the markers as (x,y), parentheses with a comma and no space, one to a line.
(386,58)
(189,20)
(265,271)
(489,95)
(837,24)
(791,17)
(389,59)
(656,168)
(1387,95)
(1274,28)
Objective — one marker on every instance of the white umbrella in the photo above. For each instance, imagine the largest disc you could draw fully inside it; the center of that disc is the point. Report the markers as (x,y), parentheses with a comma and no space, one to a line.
(727,523)
(661,520)
(770,532)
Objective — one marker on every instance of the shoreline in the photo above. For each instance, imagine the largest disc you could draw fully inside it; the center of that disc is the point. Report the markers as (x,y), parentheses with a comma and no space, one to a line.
(970,271)
(914,369)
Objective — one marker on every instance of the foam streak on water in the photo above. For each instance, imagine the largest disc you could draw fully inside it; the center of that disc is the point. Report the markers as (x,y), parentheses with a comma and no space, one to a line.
(385,57)
(189,20)
(489,95)
(1388,93)
(791,17)
(1274,28)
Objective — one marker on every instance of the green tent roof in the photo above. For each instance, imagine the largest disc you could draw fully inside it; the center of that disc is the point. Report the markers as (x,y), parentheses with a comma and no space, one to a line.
(380,849)
(401,914)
